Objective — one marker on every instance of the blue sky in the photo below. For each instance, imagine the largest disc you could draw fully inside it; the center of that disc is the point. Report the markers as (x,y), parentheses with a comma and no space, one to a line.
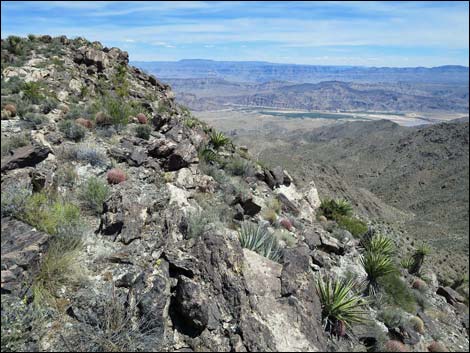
(320,33)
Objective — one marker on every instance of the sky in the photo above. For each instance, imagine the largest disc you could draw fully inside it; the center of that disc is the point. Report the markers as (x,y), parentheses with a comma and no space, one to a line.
(398,34)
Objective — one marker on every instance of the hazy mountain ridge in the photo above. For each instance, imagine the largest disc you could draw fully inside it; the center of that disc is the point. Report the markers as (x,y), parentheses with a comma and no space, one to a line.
(240,71)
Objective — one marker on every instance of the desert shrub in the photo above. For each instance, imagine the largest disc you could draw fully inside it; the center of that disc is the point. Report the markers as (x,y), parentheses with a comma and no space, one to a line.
(12,142)
(143,131)
(257,238)
(418,324)
(269,214)
(120,82)
(13,199)
(34,119)
(71,130)
(48,105)
(392,317)
(218,139)
(216,173)
(19,322)
(198,220)
(58,268)
(51,215)
(397,292)
(395,346)
(353,225)
(93,193)
(65,175)
(340,306)
(286,237)
(240,167)
(332,209)
(118,110)
(380,244)
(116,176)
(33,92)
(84,153)
(191,122)
(376,265)
(14,85)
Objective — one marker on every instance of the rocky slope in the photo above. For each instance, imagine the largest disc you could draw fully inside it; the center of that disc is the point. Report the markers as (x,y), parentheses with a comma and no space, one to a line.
(122,223)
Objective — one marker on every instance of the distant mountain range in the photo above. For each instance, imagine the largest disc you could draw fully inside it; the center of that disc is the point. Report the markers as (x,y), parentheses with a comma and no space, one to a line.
(212,94)
(258,71)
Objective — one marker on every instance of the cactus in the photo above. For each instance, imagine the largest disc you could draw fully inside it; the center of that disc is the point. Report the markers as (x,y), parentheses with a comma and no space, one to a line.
(116,176)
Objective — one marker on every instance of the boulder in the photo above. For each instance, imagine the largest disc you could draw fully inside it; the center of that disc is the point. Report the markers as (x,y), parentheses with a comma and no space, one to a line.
(27,156)
(450,295)
(182,156)
(22,246)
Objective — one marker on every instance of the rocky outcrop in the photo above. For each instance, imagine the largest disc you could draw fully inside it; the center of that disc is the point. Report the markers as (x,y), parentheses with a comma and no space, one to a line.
(27,156)
(22,246)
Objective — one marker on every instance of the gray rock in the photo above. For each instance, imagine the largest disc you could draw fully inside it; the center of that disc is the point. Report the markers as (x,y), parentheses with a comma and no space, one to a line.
(450,295)
(27,156)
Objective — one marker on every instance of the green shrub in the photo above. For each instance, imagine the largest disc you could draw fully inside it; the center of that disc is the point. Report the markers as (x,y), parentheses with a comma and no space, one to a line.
(218,139)
(191,122)
(397,292)
(51,215)
(240,167)
(407,262)
(93,193)
(83,153)
(59,268)
(71,130)
(285,236)
(13,199)
(392,317)
(143,131)
(198,220)
(339,303)
(117,109)
(14,85)
(353,225)
(65,175)
(12,142)
(34,118)
(33,92)
(376,265)
(258,239)
(120,82)
(333,209)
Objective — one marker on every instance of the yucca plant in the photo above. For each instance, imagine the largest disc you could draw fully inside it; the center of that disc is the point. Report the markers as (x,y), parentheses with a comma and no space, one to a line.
(421,252)
(208,155)
(218,139)
(334,209)
(380,244)
(257,238)
(407,263)
(340,306)
(376,266)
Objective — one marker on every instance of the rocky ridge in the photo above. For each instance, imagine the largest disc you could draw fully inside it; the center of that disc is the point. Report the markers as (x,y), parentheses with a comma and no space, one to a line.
(159,265)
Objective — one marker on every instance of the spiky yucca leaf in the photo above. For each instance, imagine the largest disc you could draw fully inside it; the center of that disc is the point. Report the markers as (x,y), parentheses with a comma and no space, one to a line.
(376,265)
(339,302)
(380,244)
(423,250)
(218,139)
(208,155)
(407,262)
(343,207)
(258,239)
